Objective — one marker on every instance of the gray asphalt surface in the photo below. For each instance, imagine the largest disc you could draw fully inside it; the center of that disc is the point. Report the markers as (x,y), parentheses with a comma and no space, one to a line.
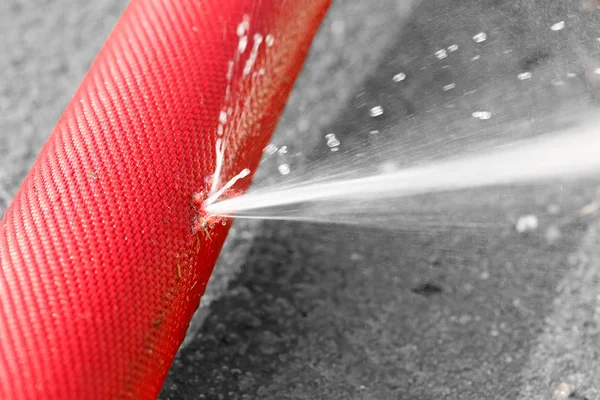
(325,312)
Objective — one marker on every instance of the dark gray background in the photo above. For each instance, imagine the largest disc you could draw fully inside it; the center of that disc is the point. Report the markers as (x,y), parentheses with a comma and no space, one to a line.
(322,312)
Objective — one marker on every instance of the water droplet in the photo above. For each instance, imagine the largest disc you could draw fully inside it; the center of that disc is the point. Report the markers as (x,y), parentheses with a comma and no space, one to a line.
(480,37)
(284,169)
(332,141)
(524,75)
(241,30)
(399,77)
(224,223)
(452,47)
(271,149)
(482,115)
(476,57)
(242,44)
(527,223)
(270,40)
(563,391)
(374,132)
(597,71)
(220,130)
(376,111)
(283,150)
(441,54)
(229,69)
(258,39)
(571,75)
(449,86)
(558,26)
(223,117)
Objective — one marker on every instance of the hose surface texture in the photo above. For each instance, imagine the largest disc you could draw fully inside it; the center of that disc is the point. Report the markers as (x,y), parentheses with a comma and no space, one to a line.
(105,250)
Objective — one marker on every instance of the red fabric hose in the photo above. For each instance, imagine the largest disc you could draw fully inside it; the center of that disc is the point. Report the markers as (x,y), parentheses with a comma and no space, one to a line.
(104,251)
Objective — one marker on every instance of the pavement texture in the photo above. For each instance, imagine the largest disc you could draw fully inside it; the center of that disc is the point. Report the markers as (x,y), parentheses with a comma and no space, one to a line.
(307,311)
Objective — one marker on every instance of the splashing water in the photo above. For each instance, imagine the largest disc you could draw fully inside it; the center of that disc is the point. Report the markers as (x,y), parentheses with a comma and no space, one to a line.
(358,193)
(231,107)
(565,155)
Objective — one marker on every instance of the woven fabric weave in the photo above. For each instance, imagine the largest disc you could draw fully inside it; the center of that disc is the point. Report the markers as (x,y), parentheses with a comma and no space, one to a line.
(103,259)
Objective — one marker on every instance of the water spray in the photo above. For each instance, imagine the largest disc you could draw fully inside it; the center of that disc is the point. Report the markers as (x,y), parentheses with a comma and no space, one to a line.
(569,154)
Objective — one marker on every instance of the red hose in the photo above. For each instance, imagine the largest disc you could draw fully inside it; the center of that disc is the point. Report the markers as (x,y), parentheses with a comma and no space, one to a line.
(104,251)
